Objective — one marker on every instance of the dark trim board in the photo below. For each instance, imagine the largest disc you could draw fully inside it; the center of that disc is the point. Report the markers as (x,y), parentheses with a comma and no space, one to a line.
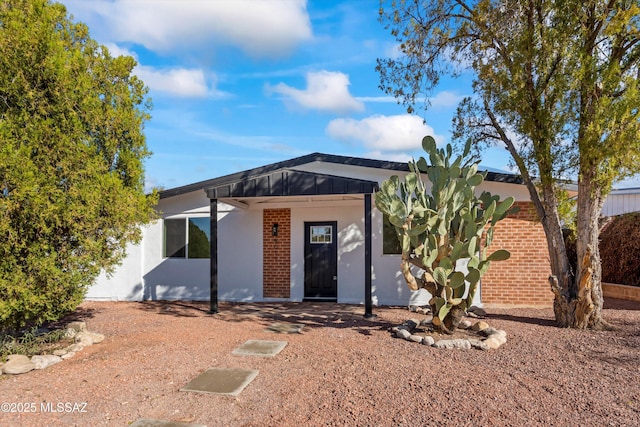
(311,158)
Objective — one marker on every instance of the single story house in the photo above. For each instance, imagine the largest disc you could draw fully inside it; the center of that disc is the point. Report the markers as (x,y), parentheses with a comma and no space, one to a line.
(307,229)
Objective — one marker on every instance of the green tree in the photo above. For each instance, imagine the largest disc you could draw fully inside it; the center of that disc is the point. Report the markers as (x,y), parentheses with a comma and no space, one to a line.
(71,161)
(556,84)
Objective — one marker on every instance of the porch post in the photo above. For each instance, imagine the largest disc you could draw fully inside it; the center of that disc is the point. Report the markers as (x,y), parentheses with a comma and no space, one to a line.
(368,310)
(213,257)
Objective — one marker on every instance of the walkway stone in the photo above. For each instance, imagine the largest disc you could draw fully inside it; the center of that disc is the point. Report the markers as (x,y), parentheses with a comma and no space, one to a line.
(226,382)
(260,348)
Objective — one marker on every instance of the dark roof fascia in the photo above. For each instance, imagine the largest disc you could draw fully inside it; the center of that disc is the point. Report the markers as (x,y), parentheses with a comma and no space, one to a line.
(291,182)
(310,158)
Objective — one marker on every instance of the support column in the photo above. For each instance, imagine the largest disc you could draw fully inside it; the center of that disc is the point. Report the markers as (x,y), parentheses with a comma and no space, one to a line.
(368,303)
(213,257)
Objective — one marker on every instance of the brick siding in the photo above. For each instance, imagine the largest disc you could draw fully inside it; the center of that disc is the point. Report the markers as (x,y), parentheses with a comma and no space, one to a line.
(523,278)
(276,254)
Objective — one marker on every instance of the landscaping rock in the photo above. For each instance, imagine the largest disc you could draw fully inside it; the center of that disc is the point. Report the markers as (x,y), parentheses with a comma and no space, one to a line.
(415,338)
(495,341)
(87,338)
(494,337)
(465,324)
(461,344)
(98,338)
(478,344)
(18,364)
(60,352)
(480,326)
(78,326)
(68,355)
(403,333)
(488,331)
(428,340)
(44,361)
(499,332)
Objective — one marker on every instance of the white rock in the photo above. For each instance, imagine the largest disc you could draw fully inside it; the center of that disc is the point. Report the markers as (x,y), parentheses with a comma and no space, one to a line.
(74,348)
(59,352)
(461,344)
(478,344)
(500,332)
(495,341)
(465,324)
(415,338)
(17,364)
(78,326)
(68,355)
(93,336)
(403,333)
(428,340)
(42,362)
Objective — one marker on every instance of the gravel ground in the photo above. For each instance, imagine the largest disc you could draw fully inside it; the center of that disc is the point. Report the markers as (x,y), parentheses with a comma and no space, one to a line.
(342,370)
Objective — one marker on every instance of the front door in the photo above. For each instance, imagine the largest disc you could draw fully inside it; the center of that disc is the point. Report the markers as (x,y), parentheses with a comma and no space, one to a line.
(320,261)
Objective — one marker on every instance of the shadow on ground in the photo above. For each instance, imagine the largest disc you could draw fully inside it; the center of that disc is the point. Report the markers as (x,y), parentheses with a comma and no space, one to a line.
(311,315)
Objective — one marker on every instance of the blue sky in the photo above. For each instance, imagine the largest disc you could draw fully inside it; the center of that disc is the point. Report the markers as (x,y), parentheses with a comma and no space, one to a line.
(243,83)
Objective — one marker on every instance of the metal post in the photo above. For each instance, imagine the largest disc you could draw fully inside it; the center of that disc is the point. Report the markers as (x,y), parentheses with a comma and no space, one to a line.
(213,257)
(368,311)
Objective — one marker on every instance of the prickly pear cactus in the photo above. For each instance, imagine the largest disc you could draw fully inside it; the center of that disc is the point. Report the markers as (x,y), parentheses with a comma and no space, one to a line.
(439,228)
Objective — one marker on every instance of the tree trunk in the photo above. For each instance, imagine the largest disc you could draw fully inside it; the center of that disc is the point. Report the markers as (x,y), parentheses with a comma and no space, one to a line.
(562,277)
(578,304)
(589,300)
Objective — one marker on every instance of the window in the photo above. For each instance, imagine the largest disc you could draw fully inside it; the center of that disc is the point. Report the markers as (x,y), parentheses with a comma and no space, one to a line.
(187,237)
(390,243)
(321,234)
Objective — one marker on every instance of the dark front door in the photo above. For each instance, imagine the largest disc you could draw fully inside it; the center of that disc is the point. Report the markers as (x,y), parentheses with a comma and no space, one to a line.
(320,261)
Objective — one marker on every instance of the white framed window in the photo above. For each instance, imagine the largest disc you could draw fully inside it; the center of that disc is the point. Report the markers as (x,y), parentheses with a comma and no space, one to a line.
(321,234)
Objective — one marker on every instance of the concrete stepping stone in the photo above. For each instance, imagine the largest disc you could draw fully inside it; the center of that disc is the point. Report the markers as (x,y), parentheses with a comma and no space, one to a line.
(147,422)
(262,348)
(286,328)
(222,381)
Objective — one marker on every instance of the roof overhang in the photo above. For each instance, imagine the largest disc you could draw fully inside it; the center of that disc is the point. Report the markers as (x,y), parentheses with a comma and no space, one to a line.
(289,182)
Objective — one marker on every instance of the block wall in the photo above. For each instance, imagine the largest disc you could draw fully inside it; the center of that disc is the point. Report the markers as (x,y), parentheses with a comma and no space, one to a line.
(276,254)
(523,278)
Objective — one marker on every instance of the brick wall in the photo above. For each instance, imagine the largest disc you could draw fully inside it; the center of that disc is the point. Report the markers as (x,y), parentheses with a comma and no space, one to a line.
(276,253)
(523,278)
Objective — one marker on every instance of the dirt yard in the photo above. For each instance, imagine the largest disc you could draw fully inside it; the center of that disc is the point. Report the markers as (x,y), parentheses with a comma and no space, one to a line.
(341,370)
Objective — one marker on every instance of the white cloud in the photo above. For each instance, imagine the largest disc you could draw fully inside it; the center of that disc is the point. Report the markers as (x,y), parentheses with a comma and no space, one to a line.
(182,82)
(377,99)
(326,91)
(445,99)
(260,28)
(382,133)
(115,51)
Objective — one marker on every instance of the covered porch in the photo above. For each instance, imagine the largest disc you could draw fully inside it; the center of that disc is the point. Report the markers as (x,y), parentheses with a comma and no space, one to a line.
(278,193)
